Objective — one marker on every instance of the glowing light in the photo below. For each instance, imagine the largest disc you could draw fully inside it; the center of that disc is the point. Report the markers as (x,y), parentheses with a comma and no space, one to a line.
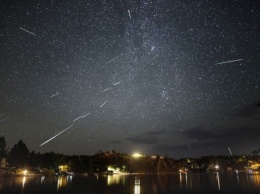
(137,155)
(42,179)
(25,173)
(63,168)
(115,170)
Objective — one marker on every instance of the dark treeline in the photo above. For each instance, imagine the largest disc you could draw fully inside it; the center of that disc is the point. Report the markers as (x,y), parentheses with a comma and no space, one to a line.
(20,157)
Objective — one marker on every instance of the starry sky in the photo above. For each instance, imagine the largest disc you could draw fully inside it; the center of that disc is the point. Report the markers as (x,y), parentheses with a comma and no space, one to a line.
(160,77)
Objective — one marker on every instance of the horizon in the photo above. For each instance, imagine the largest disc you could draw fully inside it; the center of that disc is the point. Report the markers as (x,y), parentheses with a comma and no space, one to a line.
(137,154)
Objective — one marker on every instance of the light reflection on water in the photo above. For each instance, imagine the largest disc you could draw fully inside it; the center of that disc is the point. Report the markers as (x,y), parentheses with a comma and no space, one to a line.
(254,180)
(137,188)
(115,179)
(217,177)
(135,184)
(24,179)
(63,181)
(184,180)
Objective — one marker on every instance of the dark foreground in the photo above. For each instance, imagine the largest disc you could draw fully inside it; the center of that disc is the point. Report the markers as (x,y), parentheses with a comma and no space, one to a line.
(134,184)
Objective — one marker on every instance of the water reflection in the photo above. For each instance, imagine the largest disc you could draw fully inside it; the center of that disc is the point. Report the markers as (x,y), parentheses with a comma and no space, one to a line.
(115,179)
(24,180)
(217,177)
(186,179)
(155,184)
(137,188)
(63,181)
(182,179)
(42,179)
(237,179)
(254,179)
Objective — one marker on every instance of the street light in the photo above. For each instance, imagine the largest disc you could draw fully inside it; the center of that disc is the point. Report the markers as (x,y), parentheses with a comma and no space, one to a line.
(217,167)
(25,173)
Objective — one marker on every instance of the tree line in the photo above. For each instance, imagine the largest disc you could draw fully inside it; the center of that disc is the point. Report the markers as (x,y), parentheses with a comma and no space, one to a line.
(19,156)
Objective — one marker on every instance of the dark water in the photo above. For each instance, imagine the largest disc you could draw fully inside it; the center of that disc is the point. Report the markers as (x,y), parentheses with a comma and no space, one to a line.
(134,184)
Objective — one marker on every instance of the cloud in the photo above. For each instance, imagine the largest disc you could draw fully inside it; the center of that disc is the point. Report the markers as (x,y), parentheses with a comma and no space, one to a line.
(155,133)
(184,146)
(190,150)
(151,137)
(170,147)
(228,134)
(251,111)
(205,142)
(198,133)
(142,140)
(241,134)
(115,142)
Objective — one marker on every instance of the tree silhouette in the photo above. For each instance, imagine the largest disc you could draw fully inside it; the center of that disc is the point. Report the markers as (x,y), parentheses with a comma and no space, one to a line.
(2,148)
(19,154)
(255,152)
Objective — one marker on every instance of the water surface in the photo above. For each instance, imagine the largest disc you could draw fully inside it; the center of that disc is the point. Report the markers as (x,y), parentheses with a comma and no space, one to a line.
(134,184)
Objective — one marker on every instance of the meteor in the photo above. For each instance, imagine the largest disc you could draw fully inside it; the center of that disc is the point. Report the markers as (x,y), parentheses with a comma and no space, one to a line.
(56,135)
(55,94)
(103,104)
(229,61)
(230,151)
(129,14)
(28,32)
(85,115)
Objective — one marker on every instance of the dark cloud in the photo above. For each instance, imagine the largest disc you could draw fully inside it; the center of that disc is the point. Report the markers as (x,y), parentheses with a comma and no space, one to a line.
(251,111)
(185,146)
(151,137)
(240,134)
(169,147)
(115,142)
(224,136)
(198,133)
(155,133)
(142,140)
(191,149)
(208,142)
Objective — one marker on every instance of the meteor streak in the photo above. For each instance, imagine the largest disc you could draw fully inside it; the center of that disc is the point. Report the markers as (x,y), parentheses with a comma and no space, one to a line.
(106,89)
(103,104)
(229,61)
(56,135)
(230,151)
(129,14)
(116,83)
(77,119)
(4,119)
(55,94)
(28,32)
(85,115)
(188,146)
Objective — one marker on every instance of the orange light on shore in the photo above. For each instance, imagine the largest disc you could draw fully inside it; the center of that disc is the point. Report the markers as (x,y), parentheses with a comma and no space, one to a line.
(25,173)
(137,155)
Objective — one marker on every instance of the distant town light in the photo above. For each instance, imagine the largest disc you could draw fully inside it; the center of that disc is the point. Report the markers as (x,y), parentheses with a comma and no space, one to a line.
(25,173)
(217,167)
(137,155)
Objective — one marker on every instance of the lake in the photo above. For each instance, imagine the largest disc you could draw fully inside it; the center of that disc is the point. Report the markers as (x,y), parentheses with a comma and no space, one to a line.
(134,184)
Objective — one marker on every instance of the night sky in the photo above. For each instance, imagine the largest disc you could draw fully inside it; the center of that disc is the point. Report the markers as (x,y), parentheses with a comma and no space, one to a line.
(172,77)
